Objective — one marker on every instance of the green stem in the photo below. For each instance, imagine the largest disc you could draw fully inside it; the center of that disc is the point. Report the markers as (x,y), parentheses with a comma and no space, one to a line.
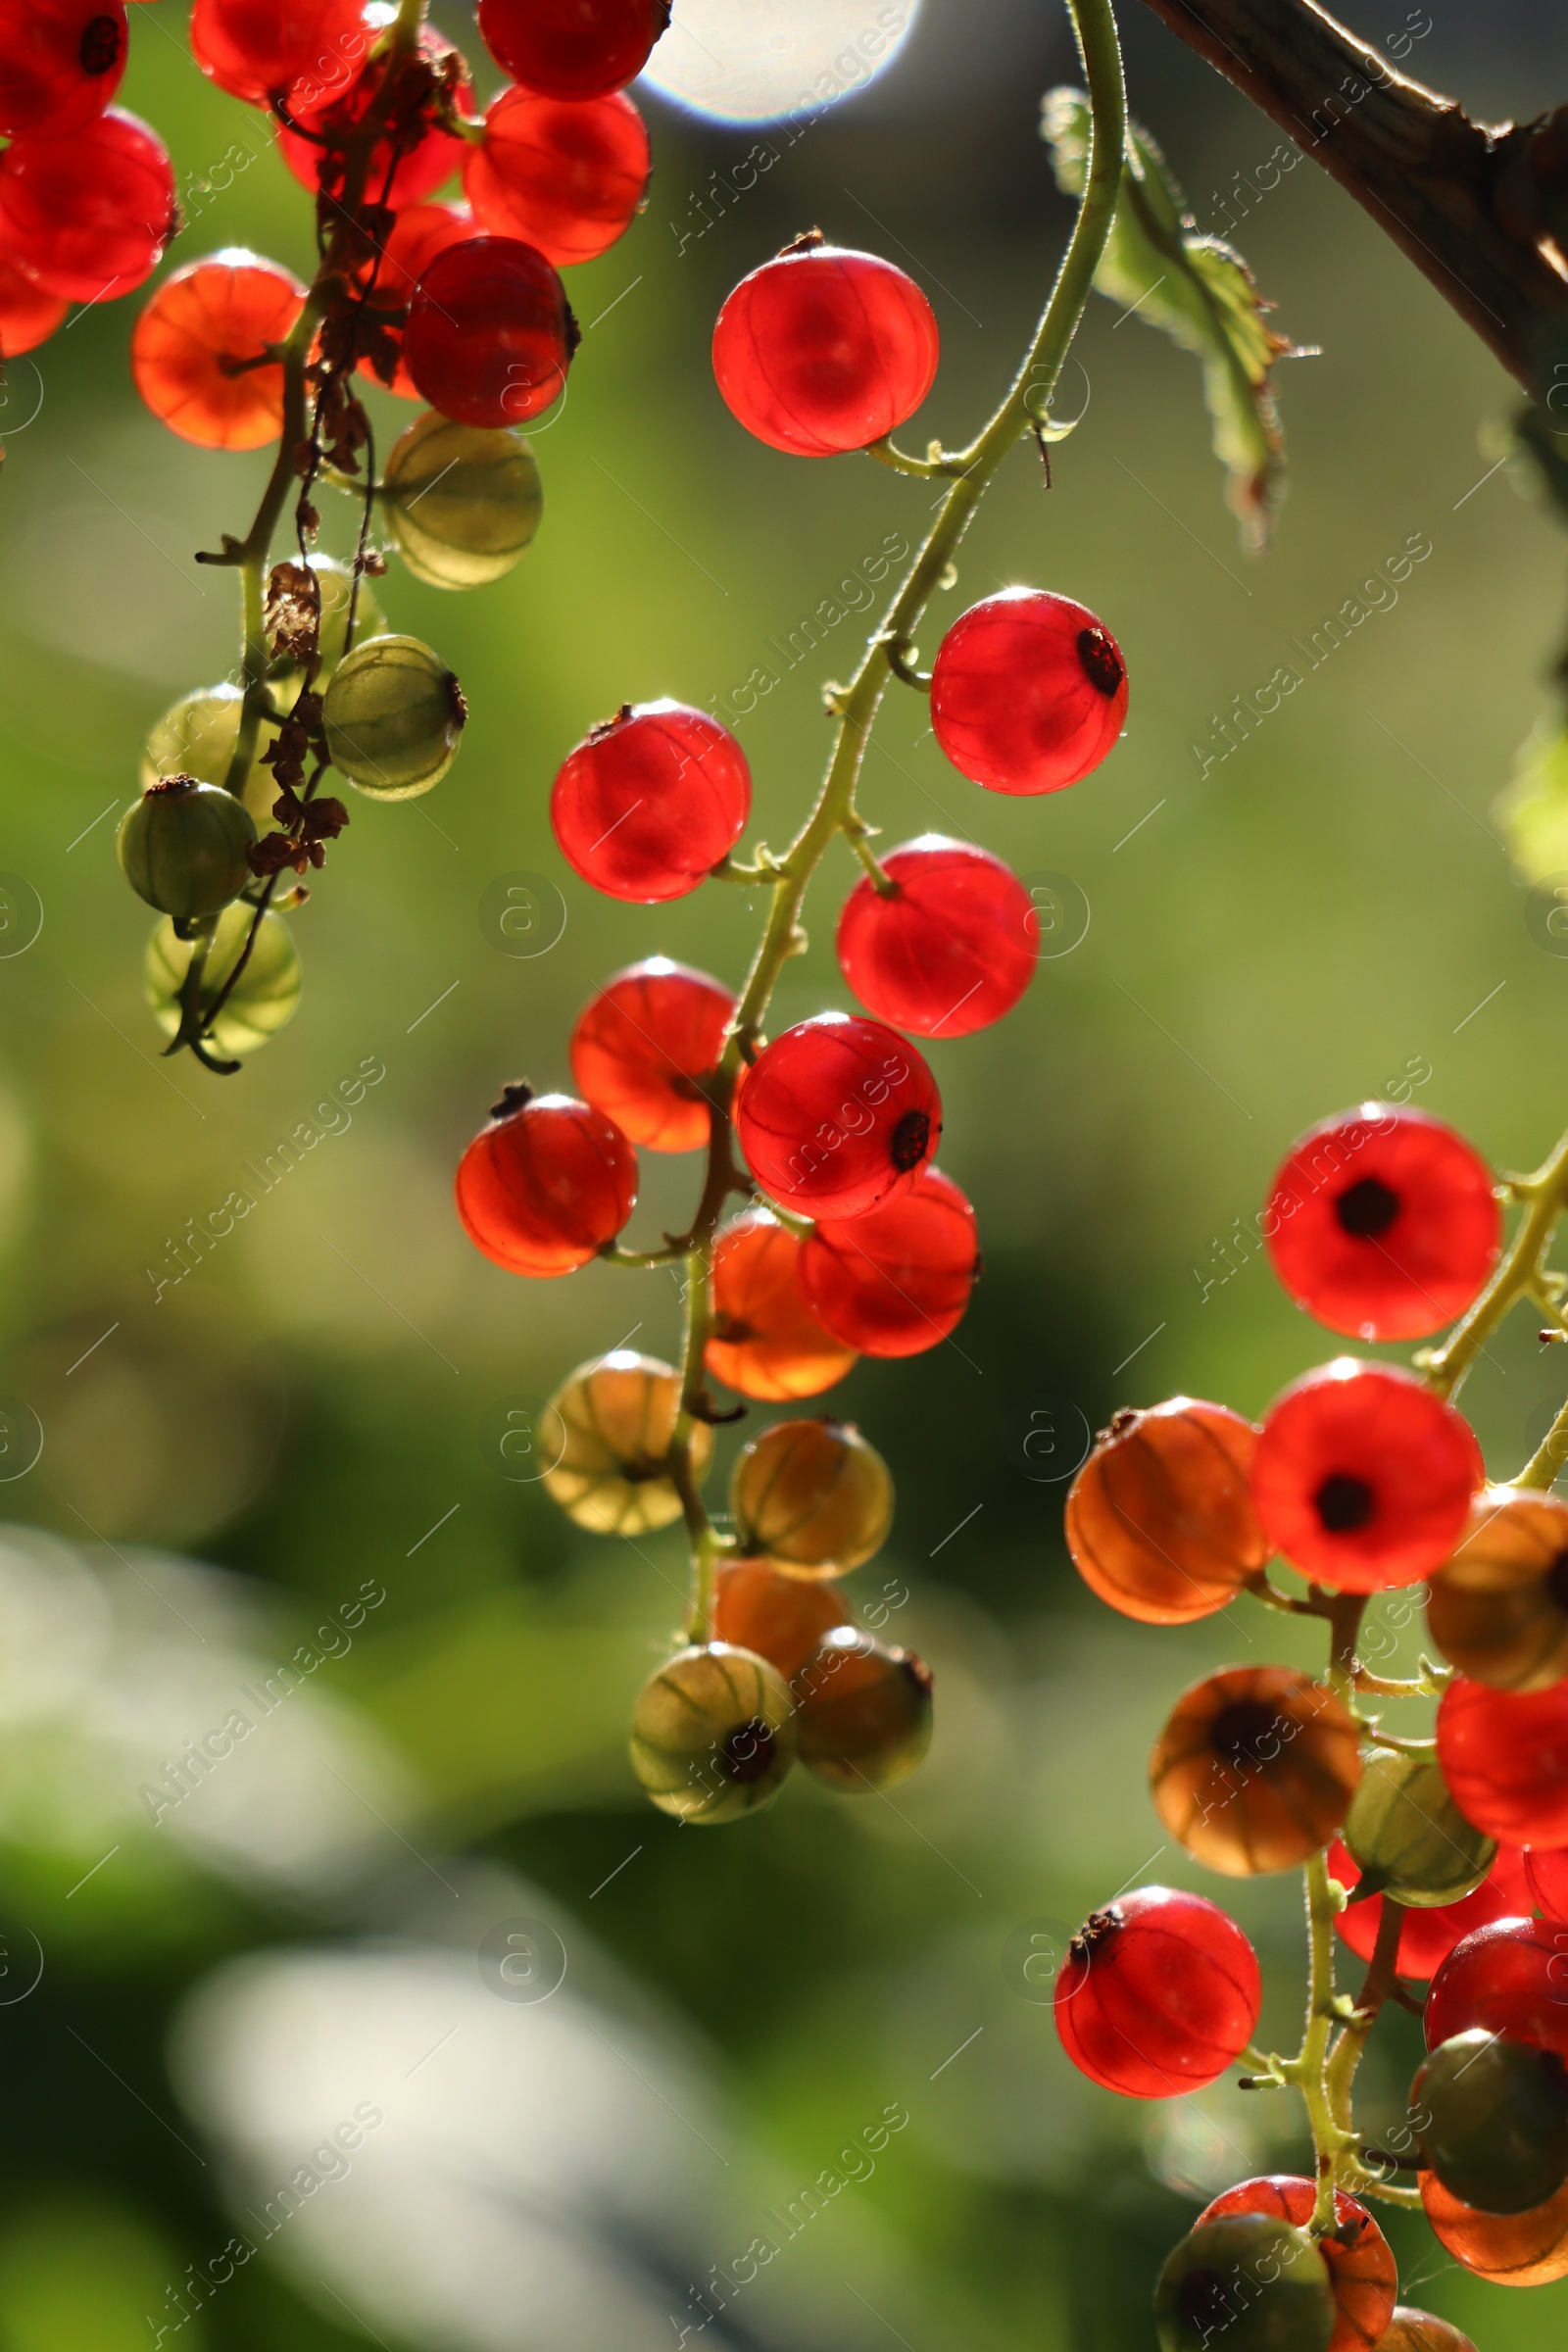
(1308,2070)
(1517,1275)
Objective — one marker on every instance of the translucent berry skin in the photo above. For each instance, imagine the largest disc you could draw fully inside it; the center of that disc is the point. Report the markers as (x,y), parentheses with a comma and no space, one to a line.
(1158,1995)
(61,62)
(566,176)
(200,324)
(641,1045)
(264,997)
(1383,1223)
(1493,2121)
(419,232)
(896,1281)
(1546,1872)
(87,217)
(1428,1937)
(1498,1609)
(28,315)
(1028,692)
(781,1617)
(863,1712)
(651,803)
(1362,2270)
(416,167)
(1363,1478)
(1510,1977)
(712,1734)
(767,1341)
(546,1184)
(1411,2331)
(1255,1769)
(572,48)
(1505,1758)
(182,847)
(603,1443)
(1409,1836)
(950,951)
(460,503)
(837,1116)
(1522,2249)
(1249,2281)
(811,1498)
(490,332)
(1159,1520)
(824,351)
(252,48)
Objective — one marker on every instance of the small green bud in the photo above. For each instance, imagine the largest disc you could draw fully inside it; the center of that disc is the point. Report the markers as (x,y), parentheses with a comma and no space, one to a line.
(182,847)
(393,716)
(462,502)
(264,997)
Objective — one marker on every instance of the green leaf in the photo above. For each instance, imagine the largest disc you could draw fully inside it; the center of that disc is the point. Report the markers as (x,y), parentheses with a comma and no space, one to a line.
(1201,292)
(1533,810)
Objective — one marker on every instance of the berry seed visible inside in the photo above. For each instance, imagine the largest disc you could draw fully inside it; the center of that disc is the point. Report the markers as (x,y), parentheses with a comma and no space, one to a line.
(1343,1503)
(1367,1208)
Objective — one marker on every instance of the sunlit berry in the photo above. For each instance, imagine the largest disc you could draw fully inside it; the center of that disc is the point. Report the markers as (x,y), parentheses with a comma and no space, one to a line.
(822,350)
(781,1617)
(1493,2121)
(334,583)
(603,1445)
(87,217)
(264,996)
(256,49)
(547,1184)
(61,62)
(1383,1223)
(1509,1976)
(643,1046)
(400,171)
(564,176)
(837,1116)
(1255,1769)
(490,333)
(1159,1993)
(418,233)
(1159,1520)
(1362,2270)
(1545,1875)
(1249,2281)
(1028,692)
(1409,1839)
(950,949)
(651,802)
(195,345)
(393,717)
(28,315)
(1363,1478)
(712,1734)
(811,1496)
(766,1341)
(461,502)
(196,737)
(182,847)
(1505,1758)
(1524,2249)
(1412,2331)
(572,48)
(1427,1937)
(862,1712)
(1498,1609)
(897,1280)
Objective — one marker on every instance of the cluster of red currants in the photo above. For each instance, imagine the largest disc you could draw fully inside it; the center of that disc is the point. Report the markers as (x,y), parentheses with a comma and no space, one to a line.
(1432,1857)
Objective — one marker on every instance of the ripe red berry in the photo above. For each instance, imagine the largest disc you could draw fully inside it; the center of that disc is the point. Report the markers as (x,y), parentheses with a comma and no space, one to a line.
(1363,1478)
(572,48)
(1505,1755)
(1159,1520)
(822,350)
(567,177)
(1510,1977)
(256,49)
(950,949)
(896,1281)
(546,1184)
(61,62)
(490,332)
(1545,1869)
(418,233)
(28,315)
(651,802)
(767,1341)
(1428,1935)
(425,155)
(1028,692)
(88,217)
(641,1045)
(837,1116)
(1383,1223)
(1158,1995)
(192,346)
(1362,2270)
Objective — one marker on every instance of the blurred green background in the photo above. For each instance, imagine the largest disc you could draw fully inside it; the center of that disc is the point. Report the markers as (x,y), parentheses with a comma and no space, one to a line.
(1326,914)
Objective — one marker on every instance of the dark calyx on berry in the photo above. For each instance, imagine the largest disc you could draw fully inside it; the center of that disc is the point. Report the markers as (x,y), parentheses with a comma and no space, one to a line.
(747,1752)
(99,50)
(1343,1503)
(1239,1731)
(513,1096)
(1101,663)
(172,787)
(1366,1209)
(1095,1928)
(911,1140)
(806,242)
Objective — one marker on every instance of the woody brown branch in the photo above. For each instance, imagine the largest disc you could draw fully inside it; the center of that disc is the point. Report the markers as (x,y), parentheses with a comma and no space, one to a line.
(1478,207)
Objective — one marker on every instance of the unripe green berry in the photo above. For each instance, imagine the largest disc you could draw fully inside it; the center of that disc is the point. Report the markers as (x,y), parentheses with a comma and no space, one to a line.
(1491,2119)
(263,997)
(462,502)
(182,847)
(712,1734)
(196,737)
(1409,1836)
(1247,2283)
(393,715)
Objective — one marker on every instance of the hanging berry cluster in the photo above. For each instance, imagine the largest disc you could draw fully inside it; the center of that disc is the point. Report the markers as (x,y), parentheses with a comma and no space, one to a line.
(1442,1862)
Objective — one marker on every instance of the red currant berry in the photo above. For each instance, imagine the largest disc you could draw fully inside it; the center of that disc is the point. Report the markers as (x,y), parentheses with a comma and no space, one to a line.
(1159,1520)
(490,332)
(194,347)
(1545,1871)
(640,1049)
(1383,1223)
(61,62)
(1363,1478)
(1255,1769)
(1250,2281)
(1520,2249)
(256,49)
(1362,2270)
(566,176)
(546,1184)
(1509,1976)
(1411,2331)
(28,315)
(837,1116)
(1028,692)
(782,1618)
(416,166)
(1493,2119)
(418,233)
(897,1281)
(862,1712)
(1498,1609)
(88,217)
(1428,1935)
(822,350)
(767,1341)
(1160,1995)
(651,801)
(572,48)
(1505,1755)
(950,949)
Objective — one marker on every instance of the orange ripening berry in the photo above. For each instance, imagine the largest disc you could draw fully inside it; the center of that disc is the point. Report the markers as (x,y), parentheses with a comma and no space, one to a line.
(767,1341)
(1511,2249)
(196,346)
(1255,1769)
(1159,1520)
(1498,1609)
(782,1618)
